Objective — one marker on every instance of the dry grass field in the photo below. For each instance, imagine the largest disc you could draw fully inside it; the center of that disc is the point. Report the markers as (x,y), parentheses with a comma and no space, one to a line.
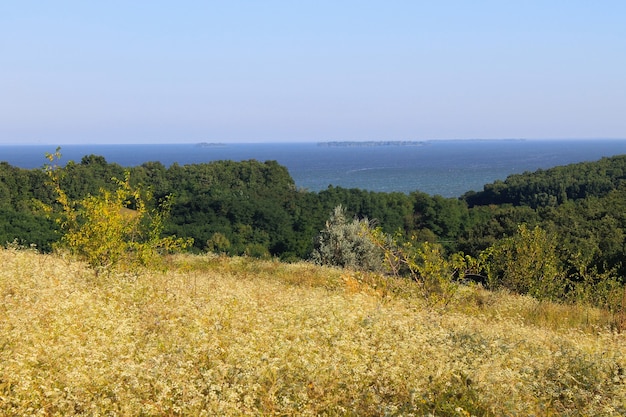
(220,336)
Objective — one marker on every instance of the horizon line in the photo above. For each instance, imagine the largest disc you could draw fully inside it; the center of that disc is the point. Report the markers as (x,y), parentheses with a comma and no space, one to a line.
(243,142)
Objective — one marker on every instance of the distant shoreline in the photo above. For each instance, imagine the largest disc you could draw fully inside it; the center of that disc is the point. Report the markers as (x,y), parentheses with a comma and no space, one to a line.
(372,143)
(350,143)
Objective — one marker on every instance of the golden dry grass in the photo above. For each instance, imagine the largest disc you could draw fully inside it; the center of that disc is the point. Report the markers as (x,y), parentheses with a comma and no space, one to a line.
(229,337)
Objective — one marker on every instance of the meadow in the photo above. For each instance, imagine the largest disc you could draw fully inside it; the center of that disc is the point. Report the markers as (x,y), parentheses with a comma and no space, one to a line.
(212,335)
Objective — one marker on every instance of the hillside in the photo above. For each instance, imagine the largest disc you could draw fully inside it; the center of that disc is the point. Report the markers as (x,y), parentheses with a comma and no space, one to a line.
(235,336)
(554,186)
(253,208)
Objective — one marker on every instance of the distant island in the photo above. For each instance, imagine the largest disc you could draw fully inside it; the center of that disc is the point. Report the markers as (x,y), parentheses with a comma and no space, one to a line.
(209,144)
(372,143)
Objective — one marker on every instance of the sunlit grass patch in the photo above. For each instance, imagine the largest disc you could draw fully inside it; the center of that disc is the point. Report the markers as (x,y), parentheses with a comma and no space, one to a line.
(475,300)
(235,336)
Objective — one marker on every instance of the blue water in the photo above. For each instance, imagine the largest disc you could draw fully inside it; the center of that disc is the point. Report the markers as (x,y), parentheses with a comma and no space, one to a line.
(447,168)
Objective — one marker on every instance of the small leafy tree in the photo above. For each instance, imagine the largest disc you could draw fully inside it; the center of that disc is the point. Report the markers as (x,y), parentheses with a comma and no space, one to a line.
(602,289)
(346,244)
(527,263)
(423,262)
(113,230)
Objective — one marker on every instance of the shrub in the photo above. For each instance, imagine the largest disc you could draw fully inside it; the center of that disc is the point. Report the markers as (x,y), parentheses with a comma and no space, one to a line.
(113,229)
(346,244)
(218,243)
(423,262)
(527,263)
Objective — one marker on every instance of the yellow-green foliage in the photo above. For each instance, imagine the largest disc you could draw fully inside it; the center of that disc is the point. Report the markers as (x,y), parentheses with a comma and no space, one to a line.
(527,263)
(230,337)
(105,232)
(423,262)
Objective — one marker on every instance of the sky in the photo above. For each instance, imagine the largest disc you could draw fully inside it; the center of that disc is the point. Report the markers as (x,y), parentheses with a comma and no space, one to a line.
(299,70)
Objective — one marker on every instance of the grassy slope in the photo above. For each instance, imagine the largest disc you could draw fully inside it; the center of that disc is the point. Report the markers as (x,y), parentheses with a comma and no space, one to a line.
(218,336)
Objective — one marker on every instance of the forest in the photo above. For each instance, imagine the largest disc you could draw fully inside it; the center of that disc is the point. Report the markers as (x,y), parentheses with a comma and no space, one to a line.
(253,208)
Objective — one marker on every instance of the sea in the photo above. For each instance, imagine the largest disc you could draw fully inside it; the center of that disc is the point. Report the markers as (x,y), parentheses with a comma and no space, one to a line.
(448,168)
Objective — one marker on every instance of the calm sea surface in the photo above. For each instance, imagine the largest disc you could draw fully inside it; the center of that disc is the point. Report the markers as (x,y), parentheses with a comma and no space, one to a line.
(447,168)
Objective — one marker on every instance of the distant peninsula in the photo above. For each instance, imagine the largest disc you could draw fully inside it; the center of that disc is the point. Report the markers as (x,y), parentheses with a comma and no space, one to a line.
(372,143)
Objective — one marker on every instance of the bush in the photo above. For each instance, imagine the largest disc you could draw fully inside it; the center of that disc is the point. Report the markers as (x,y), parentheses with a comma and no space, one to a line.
(527,263)
(423,262)
(347,245)
(113,230)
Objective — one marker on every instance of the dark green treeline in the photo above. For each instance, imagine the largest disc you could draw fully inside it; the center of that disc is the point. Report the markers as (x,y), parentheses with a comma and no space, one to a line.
(254,208)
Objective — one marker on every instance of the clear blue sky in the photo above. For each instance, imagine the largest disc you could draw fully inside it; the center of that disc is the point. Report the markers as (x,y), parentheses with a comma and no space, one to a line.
(298,70)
